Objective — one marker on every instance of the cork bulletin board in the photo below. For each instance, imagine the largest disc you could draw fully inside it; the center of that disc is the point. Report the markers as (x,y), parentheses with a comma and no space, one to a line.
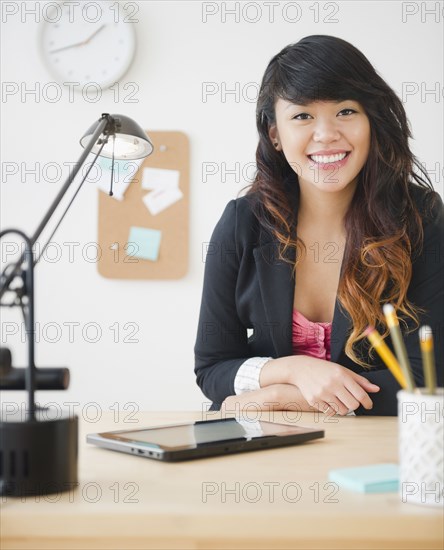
(119,219)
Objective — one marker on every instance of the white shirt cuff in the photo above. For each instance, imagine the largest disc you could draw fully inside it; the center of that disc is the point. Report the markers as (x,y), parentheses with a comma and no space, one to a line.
(247,377)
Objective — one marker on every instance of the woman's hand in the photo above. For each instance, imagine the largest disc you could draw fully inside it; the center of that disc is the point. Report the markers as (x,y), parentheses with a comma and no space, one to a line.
(323,383)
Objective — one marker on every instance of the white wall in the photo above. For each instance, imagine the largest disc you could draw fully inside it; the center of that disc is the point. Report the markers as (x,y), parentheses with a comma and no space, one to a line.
(177,53)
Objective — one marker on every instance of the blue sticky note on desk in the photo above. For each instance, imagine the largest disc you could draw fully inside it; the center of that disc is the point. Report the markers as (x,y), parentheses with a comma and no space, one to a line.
(145,241)
(374,478)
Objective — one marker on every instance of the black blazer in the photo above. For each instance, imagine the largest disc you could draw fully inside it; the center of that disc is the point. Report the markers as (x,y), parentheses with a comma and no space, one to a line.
(247,286)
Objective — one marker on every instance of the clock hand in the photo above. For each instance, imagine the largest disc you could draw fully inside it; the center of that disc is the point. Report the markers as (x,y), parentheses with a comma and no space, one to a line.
(79,43)
(94,33)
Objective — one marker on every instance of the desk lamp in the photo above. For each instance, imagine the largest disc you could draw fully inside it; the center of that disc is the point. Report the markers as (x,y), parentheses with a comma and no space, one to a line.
(38,446)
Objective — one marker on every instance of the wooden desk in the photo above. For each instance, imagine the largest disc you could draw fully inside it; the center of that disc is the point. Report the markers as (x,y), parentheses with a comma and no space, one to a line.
(277,498)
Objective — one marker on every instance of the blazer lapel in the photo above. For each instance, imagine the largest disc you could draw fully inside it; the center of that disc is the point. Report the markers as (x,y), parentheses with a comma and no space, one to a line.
(340,327)
(277,290)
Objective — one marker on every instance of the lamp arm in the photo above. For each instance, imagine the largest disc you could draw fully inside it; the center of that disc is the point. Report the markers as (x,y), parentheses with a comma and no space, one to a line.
(6,279)
(71,201)
(100,128)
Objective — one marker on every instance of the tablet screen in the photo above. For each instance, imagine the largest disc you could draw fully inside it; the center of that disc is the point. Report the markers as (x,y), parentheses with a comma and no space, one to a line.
(204,432)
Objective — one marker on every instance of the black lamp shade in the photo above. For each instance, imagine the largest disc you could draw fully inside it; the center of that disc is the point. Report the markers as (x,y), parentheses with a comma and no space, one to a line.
(131,142)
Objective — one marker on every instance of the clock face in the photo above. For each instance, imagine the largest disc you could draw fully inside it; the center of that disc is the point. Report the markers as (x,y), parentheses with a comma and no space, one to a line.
(96,45)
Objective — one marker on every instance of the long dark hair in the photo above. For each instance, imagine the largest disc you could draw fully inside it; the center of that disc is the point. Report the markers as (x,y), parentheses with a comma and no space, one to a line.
(383,223)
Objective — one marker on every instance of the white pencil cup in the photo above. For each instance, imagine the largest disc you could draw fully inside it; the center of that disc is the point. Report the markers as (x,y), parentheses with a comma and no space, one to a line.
(421,447)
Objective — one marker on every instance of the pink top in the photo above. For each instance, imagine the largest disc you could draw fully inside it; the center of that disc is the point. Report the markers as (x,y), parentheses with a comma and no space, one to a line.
(310,338)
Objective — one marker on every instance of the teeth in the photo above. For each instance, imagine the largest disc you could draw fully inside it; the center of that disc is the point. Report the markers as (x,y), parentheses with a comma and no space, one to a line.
(321,159)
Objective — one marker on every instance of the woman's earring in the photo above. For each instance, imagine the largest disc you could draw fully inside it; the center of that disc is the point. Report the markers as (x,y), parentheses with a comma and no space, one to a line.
(276,143)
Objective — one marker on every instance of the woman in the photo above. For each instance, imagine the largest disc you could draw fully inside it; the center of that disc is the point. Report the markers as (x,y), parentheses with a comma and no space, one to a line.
(340,219)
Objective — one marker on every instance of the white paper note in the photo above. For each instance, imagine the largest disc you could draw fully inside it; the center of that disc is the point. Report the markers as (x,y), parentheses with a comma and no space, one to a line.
(158,200)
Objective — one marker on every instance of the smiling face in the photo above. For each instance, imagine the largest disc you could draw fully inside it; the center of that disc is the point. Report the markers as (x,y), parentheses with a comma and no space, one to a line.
(325,142)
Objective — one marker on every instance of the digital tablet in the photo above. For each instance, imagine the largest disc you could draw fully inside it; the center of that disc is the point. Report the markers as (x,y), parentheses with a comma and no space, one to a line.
(203,438)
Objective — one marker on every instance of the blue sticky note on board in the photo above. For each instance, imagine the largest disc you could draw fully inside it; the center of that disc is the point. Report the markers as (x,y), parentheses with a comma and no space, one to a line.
(145,243)
(374,478)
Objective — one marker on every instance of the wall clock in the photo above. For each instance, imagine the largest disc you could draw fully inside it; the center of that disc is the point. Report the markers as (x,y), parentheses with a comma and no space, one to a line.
(93,45)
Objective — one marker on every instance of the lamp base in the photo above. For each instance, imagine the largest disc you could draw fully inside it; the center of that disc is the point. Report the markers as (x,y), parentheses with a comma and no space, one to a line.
(39,456)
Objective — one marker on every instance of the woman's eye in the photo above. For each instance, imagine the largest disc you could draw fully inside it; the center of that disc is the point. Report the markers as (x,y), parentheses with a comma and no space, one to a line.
(301,116)
(348,111)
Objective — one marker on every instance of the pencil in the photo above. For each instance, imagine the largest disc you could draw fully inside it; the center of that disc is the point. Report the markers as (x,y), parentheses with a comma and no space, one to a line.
(385,354)
(398,343)
(428,359)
